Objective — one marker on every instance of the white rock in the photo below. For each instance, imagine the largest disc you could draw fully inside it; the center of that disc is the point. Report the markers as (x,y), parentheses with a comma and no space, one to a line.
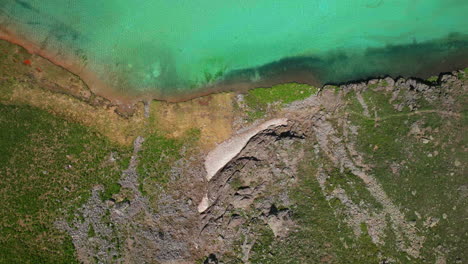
(226,151)
(204,204)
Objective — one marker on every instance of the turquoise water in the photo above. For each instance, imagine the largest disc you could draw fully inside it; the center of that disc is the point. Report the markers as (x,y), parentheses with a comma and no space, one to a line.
(173,46)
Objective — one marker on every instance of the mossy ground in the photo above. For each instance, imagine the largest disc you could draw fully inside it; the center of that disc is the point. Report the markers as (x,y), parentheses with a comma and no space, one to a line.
(262,100)
(48,167)
(428,175)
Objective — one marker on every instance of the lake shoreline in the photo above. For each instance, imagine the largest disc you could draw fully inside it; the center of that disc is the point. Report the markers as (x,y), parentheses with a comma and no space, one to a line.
(408,61)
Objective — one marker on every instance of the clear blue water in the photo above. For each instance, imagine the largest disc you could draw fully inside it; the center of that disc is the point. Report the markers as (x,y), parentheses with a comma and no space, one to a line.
(170,47)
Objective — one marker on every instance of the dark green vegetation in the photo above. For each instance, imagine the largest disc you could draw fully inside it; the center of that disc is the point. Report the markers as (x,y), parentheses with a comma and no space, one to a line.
(47,168)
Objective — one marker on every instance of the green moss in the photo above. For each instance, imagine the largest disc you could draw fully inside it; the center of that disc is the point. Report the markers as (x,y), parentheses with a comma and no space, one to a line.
(464,75)
(91,232)
(369,250)
(156,157)
(6,85)
(256,114)
(336,89)
(354,187)
(433,79)
(191,136)
(260,100)
(48,167)
(236,183)
(262,247)
(111,189)
(284,93)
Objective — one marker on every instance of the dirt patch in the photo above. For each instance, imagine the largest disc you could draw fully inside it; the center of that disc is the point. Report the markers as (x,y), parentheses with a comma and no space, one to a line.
(212,115)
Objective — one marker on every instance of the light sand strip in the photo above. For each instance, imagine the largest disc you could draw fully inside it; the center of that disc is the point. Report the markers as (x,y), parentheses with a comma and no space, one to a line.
(226,151)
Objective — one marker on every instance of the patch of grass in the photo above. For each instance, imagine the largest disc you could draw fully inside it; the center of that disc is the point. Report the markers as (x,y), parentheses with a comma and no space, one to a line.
(262,247)
(111,189)
(284,93)
(426,180)
(48,167)
(60,92)
(336,89)
(260,100)
(157,159)
(464,75)
(5,88)
(377,102)
(91,232)
(433,79)
(353,185)
(236,183)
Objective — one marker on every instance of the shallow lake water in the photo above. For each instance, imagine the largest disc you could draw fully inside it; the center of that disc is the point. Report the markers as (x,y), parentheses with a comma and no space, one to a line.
(184,46)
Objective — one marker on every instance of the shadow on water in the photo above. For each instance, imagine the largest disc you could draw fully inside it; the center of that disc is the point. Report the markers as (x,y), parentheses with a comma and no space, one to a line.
(417,60)
(118,81)
(420,60)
